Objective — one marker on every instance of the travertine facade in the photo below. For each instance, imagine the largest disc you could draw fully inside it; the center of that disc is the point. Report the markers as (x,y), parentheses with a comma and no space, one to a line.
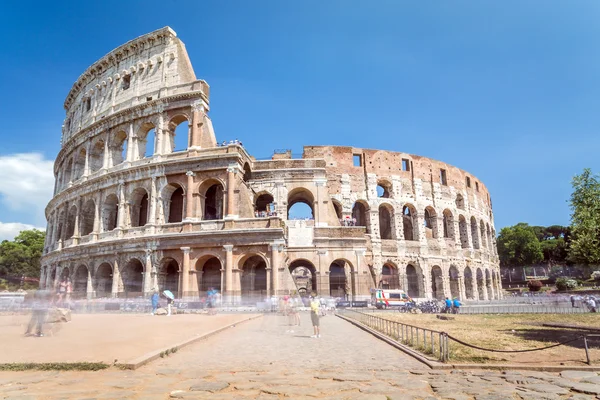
(131,214)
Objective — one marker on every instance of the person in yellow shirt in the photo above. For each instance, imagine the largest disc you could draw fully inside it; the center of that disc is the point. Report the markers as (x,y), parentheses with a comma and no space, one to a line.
(315,312)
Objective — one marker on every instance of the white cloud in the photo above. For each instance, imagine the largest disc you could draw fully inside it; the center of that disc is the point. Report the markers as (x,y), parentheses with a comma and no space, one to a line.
(8,230)
(26,183)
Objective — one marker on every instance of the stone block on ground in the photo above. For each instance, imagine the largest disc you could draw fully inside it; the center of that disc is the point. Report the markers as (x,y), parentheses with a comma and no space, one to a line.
(58,315)
(161,311)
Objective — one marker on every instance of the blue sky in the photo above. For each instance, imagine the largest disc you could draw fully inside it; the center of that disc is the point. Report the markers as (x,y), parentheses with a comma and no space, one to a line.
(507,90)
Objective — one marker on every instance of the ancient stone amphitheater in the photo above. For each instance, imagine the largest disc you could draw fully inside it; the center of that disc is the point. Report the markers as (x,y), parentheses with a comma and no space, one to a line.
(131,213)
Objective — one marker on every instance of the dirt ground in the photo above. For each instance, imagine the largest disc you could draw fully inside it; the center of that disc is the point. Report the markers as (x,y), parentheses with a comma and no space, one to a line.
(103,337)
(513,332)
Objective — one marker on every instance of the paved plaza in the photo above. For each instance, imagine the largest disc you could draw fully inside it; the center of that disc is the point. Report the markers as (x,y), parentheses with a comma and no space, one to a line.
(260,360)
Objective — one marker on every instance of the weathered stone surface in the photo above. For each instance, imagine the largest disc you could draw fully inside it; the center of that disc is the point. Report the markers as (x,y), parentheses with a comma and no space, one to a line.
(58,315)
(209,386)
(587,388)
(545,388)
(577,374)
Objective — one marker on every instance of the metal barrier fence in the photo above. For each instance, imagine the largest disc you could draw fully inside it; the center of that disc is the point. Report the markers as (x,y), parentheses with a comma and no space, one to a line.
(522,309)
(426,341)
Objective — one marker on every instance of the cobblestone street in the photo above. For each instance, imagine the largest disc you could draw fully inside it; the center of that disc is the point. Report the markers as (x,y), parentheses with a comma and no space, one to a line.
(261,360)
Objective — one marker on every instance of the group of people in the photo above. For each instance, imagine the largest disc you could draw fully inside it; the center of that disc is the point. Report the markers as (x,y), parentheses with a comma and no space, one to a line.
(589,301)
(224,143)
(211,300)
(452,305)
(263,214)
(289,308)
(63,292)
(348,221)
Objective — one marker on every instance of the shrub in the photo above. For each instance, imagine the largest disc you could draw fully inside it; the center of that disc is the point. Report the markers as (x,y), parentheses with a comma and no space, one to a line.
(595,275)
(534,286)
(566,284)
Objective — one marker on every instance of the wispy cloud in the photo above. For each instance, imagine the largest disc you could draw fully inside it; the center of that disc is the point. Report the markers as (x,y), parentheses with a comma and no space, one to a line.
(8,230)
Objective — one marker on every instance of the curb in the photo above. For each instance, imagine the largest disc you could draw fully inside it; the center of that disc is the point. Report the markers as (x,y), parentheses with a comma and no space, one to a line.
(441,366)
(153,355)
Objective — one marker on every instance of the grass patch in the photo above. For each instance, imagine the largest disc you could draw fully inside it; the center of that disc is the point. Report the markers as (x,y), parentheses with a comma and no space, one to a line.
(82,366)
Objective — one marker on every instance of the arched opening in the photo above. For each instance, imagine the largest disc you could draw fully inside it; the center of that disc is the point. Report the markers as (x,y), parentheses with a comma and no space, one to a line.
(386,222)
(168,278)
(304,275)
(460,202)
(468,283)
(489,238)
(88,213)
(119,148)
(52,276)
(384,189)
(474,233)
(414,281)
(71,222)
(110,212)
(480,284)
(146,140)
(409,215)
(389,277)
(488,284)
(79,164)
(338,283)
(139,207)
(437,283)
(178,134)
(454,283)
(176,206)
(448,224)
(80,281)
(431,228)
(483,234)
(464,235)
(209,275)
(247,173)
(300,204)
(213,202)
(264,205)
(104,280)
(337,207)
(253,280)
(133,278)
(360,215)
(68,173)
(97,156)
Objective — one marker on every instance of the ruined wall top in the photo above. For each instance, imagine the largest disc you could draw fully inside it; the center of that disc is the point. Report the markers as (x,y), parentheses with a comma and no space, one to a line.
(149,67)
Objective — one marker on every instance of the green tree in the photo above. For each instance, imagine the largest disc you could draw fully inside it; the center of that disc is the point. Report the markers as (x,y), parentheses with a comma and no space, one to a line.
(518,246)
(21,256)
(585,219)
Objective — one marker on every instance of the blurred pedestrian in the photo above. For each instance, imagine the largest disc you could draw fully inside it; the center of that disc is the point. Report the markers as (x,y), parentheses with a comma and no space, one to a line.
(315,312)
(154,299)
(456,305)
(39,311)
(448,308)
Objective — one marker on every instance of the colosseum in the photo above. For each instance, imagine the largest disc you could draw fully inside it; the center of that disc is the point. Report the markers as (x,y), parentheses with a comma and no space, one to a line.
(131,213)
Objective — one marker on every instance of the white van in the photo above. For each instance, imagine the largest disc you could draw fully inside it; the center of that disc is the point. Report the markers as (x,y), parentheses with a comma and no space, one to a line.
(386,298)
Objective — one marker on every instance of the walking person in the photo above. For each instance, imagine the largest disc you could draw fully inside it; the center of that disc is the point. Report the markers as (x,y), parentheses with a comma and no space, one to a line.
(448,308)
(69,291)
(456,306)
(315,312)
(572,301)
(39,310)
(154,299)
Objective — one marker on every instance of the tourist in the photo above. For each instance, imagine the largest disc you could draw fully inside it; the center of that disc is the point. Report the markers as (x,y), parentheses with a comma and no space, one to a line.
(62,290)
(591,303)
(572,301)
(448,308)
(315,312)
(154,299)
(211,300)
(456,306)
(39,310)
(69,291)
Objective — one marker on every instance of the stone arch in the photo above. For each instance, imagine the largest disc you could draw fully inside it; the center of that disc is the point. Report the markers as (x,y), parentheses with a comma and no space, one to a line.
(463,231)
(437,282)
(340,279)
(460,201)
(178,135)
(103,281)
(79,164)
(300,196)
(468,278)
(71,221)
(474,233)
(384,189)
(96,160)
(168,275)
(88,217)
(110,212)
(431,226)
(482,234)
(480,284)
(263,204)
(80,279)
(338,208)
(139,207)
(490,242)
(448,224)
(247,173)
(173,196)
(304,275)
(146,140)
(253,277)
(488,284)
(118,147)
(68,173)
(208,273)
(360,214)
(60,227)
(387,228)
(390,279)
(453,276)
(414,281)
(212,198)
(133,277)
(410,222)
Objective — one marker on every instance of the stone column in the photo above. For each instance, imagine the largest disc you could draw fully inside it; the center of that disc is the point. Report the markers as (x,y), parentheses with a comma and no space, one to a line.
(359,277)
(275,247)
(86,165)
(189,196)
(461,288)
(89,290)
(130,144)
(185,272)
(76,227)
(231,206)
(105,157)
(147,284)
(474,284)
(152,216)
(195,131)
(319,215)
(121,210)
(115,279)
(228,272)
(323,274)
(268,280)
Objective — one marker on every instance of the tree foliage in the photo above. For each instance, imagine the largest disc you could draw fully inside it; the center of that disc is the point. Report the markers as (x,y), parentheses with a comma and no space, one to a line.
(21,256)
(585,219)
(518,245)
